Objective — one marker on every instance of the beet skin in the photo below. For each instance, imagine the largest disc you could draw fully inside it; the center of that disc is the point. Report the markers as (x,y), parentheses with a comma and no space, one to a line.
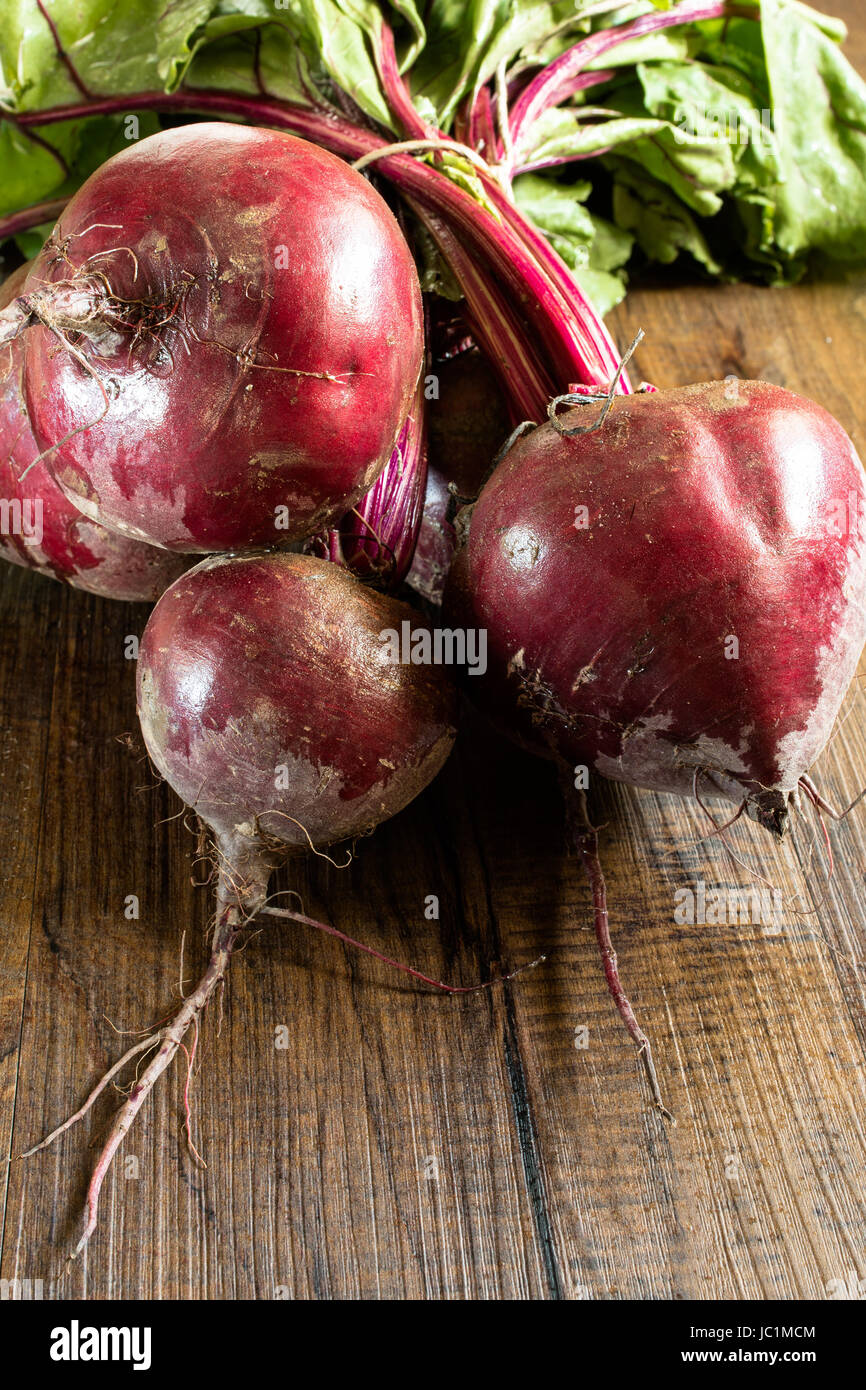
(246,323)
(678,596)
(267,700)
(66,545)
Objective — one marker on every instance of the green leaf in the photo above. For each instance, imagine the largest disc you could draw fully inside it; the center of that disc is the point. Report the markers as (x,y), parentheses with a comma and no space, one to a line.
(409,12)
(467,42)
(459,32)
(340,35)
(556,207)
(243,57)
(566,134)
(569,23)
(593,248)
(821,122)
(113,47)
(603,291)
(32,173)
(835,29)
(697,168)
(611,245)
(722,104)
(739,45)
(528,27)
(662,226)
(31,242)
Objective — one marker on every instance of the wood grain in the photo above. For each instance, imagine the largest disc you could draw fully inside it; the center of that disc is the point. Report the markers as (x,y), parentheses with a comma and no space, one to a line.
(403,1144)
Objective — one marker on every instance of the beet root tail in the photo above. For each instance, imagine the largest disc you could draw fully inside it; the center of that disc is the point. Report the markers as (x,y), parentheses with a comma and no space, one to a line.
(170,1040)
(236,903)
(587,840)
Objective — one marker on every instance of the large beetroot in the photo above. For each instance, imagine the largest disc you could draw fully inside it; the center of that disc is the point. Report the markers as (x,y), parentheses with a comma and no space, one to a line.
(41,529)
(680,592)
(223,337)
(676,600)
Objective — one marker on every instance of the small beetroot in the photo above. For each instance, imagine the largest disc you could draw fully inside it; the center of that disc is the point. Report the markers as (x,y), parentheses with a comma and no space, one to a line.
(268,700)
(255,664)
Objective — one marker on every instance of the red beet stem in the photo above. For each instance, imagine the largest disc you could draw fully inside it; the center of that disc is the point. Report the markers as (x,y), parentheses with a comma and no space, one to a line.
(817,799)
(15,222)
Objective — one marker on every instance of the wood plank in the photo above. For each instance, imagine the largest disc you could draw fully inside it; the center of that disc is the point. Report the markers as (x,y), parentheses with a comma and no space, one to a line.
(28,636)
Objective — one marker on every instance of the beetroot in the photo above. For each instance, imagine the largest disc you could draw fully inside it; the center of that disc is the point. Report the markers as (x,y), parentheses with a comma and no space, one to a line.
(51,535)
(437,540)
(376,540)
(268,701)
(253,664)
(676,600)
(709,615)
(226,334)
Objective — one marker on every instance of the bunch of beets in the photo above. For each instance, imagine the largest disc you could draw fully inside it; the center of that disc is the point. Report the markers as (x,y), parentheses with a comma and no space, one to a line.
(237,372)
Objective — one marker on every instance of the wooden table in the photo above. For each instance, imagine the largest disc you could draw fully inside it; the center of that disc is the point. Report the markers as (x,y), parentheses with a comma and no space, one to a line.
(403,1144)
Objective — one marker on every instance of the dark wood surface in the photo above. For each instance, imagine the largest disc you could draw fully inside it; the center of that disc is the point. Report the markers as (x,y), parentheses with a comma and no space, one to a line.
(409,1145)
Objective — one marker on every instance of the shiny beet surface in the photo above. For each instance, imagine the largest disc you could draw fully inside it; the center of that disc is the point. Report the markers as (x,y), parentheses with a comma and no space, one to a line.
(267,700)
(680,594)
(258,350)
